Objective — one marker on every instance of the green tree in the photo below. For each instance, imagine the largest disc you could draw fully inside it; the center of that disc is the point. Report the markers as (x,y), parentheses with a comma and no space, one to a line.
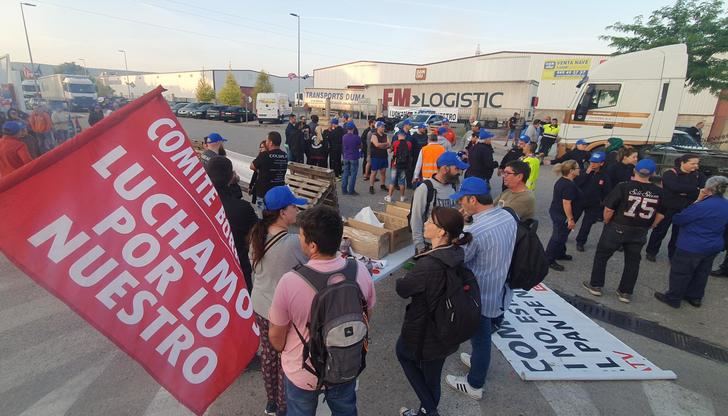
(702,26)
(69,68)
(262,84)
(102,89)
(230,92)
(204,91)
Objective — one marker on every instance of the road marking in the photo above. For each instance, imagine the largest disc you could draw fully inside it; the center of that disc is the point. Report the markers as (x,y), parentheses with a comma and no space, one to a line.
(164,404)
(567,398)
(667,398)
(28,312)
(34,361)
(58,401)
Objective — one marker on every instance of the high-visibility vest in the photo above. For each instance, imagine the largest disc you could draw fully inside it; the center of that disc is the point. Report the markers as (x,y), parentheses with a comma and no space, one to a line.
(430,153)
(550,131)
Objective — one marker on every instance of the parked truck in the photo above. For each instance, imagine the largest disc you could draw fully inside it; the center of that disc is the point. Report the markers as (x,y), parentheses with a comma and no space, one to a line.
(273,107)
(77,90)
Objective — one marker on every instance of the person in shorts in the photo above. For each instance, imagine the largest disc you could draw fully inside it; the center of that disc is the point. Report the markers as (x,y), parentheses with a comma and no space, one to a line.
(379,156)
(401,164)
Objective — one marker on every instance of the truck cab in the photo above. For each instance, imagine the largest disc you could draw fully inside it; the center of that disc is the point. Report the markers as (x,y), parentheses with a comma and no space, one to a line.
(635,97)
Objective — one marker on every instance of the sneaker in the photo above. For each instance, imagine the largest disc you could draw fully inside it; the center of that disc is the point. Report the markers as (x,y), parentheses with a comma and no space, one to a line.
(694,302)
(566,257)
(461,384)
(383,187)
(465,358)
(344,193)
(624,297)
(650,257)
(405,411)
(387,198)
(662,298)
(355,193)
(719,272)
(595,291)
(271,409)
(371,190)
(365,178)
(402,198)
(580,248)
(557,266)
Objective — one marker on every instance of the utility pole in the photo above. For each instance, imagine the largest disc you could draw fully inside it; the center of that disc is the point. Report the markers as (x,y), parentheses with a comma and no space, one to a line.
(27,40)
(299,54)
(126,68)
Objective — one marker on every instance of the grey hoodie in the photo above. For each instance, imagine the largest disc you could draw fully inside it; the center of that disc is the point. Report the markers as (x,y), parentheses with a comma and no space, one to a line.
(419,208)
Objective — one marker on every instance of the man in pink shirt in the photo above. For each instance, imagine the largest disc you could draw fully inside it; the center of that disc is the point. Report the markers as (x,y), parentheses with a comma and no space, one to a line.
(320,234)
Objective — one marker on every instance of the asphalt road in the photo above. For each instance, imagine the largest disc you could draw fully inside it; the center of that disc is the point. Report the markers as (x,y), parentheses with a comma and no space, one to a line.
(53,363)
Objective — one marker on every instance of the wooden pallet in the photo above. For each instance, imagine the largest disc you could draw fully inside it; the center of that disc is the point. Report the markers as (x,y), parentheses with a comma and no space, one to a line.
(314,190)
(320,174)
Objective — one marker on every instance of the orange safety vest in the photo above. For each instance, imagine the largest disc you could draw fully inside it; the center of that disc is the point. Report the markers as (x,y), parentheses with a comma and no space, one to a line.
(430,153)
(40,122)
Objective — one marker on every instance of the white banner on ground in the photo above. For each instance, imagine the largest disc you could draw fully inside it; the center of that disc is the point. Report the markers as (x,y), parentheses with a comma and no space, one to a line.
(545,338)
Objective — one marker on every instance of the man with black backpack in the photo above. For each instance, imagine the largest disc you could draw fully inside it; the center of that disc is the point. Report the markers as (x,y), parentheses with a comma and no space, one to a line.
(401,164)
(488,256)
(434,192)
(319,319)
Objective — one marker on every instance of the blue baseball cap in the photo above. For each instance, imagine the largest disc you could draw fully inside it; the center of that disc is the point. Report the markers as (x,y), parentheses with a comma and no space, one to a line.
(598,157)
(350,125)
(471,186)
(214,138)
(442,130)
(444,120)
(422,126)
(379,124)
(485,134)
(581,141)
(525,139)
(279,197)
(406,123)
(11,128)
(346,115)
(451,159)
(334,121)
(646,167)
(401,133)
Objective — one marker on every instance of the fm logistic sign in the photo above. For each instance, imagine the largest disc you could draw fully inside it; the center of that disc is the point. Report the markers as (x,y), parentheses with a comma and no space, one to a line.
(403,97)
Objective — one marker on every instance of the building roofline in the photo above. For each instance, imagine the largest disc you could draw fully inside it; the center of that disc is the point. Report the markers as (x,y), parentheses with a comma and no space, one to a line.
(461,58)
(213,70)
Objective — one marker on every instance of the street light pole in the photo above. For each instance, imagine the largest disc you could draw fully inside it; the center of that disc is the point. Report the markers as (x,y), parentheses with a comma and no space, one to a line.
(299,52)
(27,40)
(126,68)
(85,68)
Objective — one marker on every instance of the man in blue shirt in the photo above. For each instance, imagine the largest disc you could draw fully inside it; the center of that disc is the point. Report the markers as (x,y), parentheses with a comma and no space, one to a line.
(702,232)
(488,256)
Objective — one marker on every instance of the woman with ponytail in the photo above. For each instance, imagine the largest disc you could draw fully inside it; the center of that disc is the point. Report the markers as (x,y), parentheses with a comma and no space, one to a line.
(623,169)
(273,252)
(419,351)
(564,212)
(702,235)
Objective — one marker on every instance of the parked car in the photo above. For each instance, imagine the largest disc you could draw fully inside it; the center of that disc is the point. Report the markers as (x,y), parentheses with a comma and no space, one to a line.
(177,107)
(201,111)
(712,162)
(237,114)
(215,112)
(429,119)
(186,111)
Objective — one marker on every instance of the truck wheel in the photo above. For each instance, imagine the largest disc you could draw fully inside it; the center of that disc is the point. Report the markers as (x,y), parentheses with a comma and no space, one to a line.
(260,121)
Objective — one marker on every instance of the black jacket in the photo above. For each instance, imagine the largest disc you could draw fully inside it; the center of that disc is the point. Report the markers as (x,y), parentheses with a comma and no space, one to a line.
(424,284)
(594,186)
(579,156)
(334,138)
(242,217)
(681,189)
(513,154)
(290,131)
(480,158)
(619,172)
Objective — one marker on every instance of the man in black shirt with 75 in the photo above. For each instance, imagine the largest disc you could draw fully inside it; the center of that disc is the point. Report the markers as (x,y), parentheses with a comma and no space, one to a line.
(630,210)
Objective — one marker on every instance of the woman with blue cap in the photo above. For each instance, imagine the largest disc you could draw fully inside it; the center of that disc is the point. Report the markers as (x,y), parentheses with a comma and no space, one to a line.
(273,252)
(594,184)
(480,157)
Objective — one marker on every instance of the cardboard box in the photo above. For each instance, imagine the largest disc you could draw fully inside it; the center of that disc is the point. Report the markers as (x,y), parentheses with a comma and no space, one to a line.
(367,240)
(400,234)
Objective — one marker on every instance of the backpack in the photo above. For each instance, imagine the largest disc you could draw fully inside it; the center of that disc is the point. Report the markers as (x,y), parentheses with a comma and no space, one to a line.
(529,264)
(402,155)
(430,197)
(456,314)
(338,326)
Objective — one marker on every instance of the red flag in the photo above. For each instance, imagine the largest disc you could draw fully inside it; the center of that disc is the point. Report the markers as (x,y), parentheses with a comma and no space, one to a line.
(123,225)
(291,75)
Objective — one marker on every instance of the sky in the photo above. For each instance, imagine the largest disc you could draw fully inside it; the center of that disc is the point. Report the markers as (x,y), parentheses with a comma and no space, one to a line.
(185,35)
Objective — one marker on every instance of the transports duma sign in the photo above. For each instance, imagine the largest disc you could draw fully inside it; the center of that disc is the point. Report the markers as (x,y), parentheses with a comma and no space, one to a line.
(403,97)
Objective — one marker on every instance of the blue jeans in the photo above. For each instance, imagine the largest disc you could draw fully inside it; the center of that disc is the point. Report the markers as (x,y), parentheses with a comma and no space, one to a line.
(341,400)
(348,177)
(425,377)
(480,358)
(556,246)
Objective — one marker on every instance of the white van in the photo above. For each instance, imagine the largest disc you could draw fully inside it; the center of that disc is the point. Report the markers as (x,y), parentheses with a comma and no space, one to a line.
(635,97)
(273,107)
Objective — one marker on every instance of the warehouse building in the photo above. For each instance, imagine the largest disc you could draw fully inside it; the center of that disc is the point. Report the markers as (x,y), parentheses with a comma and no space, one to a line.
(181,86)
(489,86)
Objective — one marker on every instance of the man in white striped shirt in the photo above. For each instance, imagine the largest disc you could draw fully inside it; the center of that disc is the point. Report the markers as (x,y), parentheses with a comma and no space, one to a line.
(488,256)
